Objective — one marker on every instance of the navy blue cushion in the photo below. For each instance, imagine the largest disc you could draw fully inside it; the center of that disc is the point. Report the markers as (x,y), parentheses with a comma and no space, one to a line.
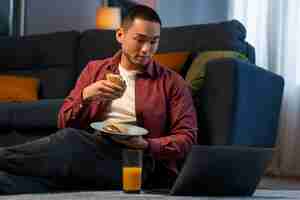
(96,44)
(214,103)
(239,104)
(223,35)
(28,115)
(45,49)
(257,105)
(6,115)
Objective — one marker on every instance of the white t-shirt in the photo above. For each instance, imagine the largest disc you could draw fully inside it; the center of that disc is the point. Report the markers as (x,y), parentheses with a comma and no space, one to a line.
(123,109)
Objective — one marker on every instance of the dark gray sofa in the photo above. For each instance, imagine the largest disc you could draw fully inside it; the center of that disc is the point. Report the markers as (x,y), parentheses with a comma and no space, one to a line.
(239,104)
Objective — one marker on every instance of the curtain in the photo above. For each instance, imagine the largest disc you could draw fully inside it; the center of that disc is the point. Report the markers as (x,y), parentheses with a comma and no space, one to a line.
(273,28)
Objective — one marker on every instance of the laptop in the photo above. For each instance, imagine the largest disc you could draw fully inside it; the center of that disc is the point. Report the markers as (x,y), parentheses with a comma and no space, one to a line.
(221,171)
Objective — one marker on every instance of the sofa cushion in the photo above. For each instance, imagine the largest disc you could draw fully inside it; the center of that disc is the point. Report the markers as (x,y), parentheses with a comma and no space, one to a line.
(49,57)
(40,114)
(6,115)
(45,49)
(235,108)
(191,37)
(96,44)
(261,102)
(227,35)
(18,88)
(172,60)
(29,115)
(55,80)
(196,73)
(215,103)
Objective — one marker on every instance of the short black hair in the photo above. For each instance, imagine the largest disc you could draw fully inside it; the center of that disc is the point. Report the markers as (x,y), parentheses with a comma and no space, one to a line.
(140,12)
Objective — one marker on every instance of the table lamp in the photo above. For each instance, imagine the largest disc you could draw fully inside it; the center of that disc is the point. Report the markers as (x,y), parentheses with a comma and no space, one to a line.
(108,17)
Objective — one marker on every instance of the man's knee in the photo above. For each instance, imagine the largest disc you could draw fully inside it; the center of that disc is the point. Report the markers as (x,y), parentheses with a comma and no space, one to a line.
(70,136)
(67,132)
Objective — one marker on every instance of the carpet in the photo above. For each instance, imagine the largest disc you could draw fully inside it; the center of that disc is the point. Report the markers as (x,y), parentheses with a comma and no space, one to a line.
(114,195)
(279,183)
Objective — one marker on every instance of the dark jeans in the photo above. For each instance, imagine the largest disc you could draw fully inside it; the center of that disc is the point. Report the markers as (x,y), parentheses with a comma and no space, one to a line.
(69,159)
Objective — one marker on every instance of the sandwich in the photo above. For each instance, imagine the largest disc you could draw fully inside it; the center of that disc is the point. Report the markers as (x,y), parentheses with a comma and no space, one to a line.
(113,127)
(116,79)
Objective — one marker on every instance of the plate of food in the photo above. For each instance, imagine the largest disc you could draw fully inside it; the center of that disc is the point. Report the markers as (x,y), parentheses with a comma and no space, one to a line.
(117,128)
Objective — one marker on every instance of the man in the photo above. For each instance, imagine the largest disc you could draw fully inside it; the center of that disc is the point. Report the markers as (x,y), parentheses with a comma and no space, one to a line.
(154,97)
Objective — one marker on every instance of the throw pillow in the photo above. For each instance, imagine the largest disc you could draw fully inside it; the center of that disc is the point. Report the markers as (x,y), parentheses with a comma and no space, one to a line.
(172,60)
(196,72)
(18,88)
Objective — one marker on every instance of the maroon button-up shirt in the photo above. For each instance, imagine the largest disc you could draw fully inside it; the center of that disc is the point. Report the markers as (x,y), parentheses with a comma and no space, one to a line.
(164,107)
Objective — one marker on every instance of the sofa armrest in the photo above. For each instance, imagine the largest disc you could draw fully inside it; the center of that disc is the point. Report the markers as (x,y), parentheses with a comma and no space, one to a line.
(29,115)
(240,104)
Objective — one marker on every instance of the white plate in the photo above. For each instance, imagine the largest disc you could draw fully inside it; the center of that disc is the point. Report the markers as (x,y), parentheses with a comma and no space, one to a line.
(132,130)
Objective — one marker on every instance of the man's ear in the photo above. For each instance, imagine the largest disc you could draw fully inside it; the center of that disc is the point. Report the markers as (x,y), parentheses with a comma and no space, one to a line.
(120,35)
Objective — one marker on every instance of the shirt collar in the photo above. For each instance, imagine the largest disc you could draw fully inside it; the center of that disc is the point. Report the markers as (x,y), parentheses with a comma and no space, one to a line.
(115,60)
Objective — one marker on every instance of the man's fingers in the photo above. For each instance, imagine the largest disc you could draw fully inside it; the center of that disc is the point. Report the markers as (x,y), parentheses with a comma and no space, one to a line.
(120,141)
(132,142)
(103,89)
(113,86)
(106,95)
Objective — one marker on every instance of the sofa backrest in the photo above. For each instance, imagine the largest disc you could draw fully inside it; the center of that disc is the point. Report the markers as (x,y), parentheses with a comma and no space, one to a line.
(228,35)
(96,44)
(48,57)
(58,58)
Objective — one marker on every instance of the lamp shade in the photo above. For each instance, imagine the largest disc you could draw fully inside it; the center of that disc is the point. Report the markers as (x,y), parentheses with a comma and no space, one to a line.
(108,17)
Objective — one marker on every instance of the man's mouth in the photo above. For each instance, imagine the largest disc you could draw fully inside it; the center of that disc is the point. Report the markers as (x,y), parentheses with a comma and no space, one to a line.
(142,57)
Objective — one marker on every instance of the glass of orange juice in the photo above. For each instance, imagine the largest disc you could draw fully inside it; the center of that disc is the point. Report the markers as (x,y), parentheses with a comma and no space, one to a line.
(132,170)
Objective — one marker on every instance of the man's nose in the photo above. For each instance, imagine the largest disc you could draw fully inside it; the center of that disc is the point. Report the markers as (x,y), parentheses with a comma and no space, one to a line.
(146,48)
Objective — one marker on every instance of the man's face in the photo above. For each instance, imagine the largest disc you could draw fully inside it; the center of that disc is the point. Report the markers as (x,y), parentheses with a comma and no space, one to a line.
(139,42)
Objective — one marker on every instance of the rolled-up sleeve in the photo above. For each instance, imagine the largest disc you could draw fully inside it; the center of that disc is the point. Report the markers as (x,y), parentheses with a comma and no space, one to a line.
(74,112)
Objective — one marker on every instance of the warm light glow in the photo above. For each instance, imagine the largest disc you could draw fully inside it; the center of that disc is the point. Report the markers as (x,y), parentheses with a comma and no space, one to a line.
(108,18)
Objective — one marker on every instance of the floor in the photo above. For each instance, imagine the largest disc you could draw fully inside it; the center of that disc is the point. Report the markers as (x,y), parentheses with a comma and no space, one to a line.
(270,188)
(118,195)
(282,183)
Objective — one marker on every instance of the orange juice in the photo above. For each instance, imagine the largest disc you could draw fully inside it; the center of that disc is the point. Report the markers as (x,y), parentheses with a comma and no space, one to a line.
(132,179)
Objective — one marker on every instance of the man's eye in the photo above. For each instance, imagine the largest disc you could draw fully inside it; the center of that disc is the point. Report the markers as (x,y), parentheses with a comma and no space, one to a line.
(153,41)
(139,40)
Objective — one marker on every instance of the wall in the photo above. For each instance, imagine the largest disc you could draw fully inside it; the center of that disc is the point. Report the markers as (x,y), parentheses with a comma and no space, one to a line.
(186,12)
(4,8)
(60,15)
(44,16)
(4,17)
